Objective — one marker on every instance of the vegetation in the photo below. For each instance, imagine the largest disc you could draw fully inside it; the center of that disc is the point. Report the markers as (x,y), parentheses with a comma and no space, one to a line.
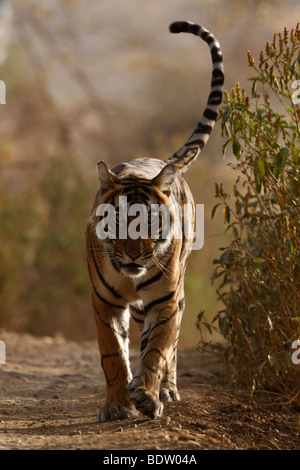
(43,269)
(259,271)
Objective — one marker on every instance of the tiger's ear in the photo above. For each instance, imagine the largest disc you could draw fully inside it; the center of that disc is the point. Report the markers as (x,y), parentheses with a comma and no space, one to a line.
(105,176)
(164,180)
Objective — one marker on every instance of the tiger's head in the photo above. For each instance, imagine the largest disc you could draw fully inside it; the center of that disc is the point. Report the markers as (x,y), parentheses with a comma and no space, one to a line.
(135,218)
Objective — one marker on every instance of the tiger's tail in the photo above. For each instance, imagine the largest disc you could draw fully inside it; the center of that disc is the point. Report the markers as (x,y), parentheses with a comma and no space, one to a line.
(188,153)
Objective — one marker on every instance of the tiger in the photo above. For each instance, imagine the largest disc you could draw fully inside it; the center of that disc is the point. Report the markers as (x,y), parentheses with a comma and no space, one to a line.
(142,277)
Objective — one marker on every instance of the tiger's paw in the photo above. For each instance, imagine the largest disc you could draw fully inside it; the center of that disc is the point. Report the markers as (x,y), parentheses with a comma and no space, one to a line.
(116,410)
(146,401)
(167,394)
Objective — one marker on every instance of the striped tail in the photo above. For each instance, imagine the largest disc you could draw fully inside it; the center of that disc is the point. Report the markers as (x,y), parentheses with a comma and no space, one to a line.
(188,153)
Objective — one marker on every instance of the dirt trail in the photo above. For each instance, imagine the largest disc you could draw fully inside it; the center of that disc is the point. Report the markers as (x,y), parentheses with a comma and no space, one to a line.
(51,388)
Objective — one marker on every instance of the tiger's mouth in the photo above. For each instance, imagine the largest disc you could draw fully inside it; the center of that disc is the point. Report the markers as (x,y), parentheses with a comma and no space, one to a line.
(132,269)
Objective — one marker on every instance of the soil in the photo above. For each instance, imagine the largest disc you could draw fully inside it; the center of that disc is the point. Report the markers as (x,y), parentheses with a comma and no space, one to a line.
(51,389)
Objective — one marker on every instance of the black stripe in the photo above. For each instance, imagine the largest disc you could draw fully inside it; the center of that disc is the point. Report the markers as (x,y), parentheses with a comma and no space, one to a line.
(216,102)
(203,128)
(145,332)
(133,180)
(217,78)
(154,350)
(155,336)
(137,320)
(162,322)
(156,277)
(123,334)
(195,29)
(189,159)
(133,308)
(217,73)
(198,142)
(181,304)
(144,341)
(105,356)
(108,286)
(150,281)
(136,309)
(204,35)
(158,301)
(216,55)
(136,196)
(181,196)
(215,97)
(215,94)
(179,27)
(210,114)
(209,39)
(106,301)
(217,82)
(185,159)
(183,243)
(217,58)
(113,262)
(99,296)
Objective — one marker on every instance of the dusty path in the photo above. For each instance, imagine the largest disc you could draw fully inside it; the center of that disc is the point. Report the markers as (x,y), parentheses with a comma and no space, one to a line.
(50,390)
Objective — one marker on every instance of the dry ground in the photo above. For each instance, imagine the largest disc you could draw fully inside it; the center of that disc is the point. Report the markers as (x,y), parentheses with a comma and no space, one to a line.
(51,388)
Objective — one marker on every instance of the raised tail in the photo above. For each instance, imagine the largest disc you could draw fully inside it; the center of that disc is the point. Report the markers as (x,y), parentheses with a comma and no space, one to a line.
(188,153)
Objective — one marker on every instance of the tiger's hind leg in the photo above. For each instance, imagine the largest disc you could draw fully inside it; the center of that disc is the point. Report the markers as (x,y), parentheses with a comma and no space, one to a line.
(112,334)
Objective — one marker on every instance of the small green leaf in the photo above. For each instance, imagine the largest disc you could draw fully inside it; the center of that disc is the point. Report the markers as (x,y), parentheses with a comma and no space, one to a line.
(214,209)
(214,274)
(225,259)
(222,320)
(227,213)
(236,148)
(259,173)
(261,168)
(200,315)
(281,157)
(235,232)
(289,245)
(226,114)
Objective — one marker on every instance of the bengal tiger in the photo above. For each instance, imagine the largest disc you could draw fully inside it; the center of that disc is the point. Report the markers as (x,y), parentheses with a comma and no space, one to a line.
(143,276)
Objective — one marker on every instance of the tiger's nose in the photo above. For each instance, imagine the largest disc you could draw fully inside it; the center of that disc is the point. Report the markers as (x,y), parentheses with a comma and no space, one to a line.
(133,255)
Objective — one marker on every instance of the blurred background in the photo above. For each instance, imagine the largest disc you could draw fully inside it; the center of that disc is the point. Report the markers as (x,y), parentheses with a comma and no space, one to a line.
(104,79)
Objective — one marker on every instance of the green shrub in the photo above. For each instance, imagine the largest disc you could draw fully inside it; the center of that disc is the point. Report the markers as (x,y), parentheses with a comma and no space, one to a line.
(44,285)
(260,270)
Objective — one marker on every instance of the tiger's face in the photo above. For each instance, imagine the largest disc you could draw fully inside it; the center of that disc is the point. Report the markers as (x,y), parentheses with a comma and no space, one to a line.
(136,219)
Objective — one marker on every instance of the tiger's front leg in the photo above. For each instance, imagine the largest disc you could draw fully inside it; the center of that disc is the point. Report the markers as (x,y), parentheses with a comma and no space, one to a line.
(168,388)
(160,336)
(112,333)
